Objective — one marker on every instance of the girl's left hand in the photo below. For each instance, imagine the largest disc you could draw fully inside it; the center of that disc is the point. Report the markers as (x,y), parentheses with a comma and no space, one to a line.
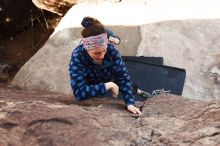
(133,109)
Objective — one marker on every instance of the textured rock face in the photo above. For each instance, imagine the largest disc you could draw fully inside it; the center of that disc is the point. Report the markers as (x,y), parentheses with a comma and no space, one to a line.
(31,118)
(191,44)
(55,6)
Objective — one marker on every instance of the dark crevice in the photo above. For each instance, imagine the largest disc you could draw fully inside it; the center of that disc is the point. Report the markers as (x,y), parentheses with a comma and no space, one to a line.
(59,120)
(8,125)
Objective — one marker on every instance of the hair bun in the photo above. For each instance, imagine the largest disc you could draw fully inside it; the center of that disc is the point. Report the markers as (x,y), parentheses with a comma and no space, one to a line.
(86,22)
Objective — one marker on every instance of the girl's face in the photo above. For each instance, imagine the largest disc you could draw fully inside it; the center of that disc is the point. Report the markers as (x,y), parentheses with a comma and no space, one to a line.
(98,54)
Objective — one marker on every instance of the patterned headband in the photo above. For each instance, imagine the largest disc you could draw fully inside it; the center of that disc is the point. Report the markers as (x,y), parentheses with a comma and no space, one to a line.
(93,42)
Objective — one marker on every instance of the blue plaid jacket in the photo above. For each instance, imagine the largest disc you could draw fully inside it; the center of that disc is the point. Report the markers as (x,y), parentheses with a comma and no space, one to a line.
(88,78)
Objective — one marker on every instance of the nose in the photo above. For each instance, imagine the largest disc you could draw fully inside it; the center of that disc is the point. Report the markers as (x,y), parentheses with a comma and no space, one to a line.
(101,56)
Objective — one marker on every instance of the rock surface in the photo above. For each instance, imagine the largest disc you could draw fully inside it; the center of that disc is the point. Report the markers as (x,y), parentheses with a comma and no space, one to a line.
(33,118)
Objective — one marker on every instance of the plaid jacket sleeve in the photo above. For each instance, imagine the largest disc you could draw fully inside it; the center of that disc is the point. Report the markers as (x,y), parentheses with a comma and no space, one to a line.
(122,78)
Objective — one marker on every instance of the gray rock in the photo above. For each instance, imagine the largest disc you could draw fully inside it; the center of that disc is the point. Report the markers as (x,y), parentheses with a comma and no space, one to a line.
(48,68)
(190,44)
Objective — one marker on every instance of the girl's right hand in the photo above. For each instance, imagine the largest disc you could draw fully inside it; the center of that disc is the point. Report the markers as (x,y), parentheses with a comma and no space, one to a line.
(113,87)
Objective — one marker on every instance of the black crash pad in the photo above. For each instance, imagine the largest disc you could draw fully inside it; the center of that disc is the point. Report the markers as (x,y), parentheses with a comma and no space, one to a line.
(155,78)
(143,59)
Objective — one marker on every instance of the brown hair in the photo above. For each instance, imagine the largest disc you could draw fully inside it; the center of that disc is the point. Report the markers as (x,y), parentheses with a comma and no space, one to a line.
(92,27)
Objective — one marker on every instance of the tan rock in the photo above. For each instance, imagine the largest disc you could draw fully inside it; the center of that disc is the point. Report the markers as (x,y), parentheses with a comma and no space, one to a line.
(43,118)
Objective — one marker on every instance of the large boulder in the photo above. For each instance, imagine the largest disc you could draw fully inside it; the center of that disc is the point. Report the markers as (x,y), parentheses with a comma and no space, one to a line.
(48,68)
(190,44)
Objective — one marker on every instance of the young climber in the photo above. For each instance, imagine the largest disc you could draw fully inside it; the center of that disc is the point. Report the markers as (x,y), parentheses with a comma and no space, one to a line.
(96,66)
